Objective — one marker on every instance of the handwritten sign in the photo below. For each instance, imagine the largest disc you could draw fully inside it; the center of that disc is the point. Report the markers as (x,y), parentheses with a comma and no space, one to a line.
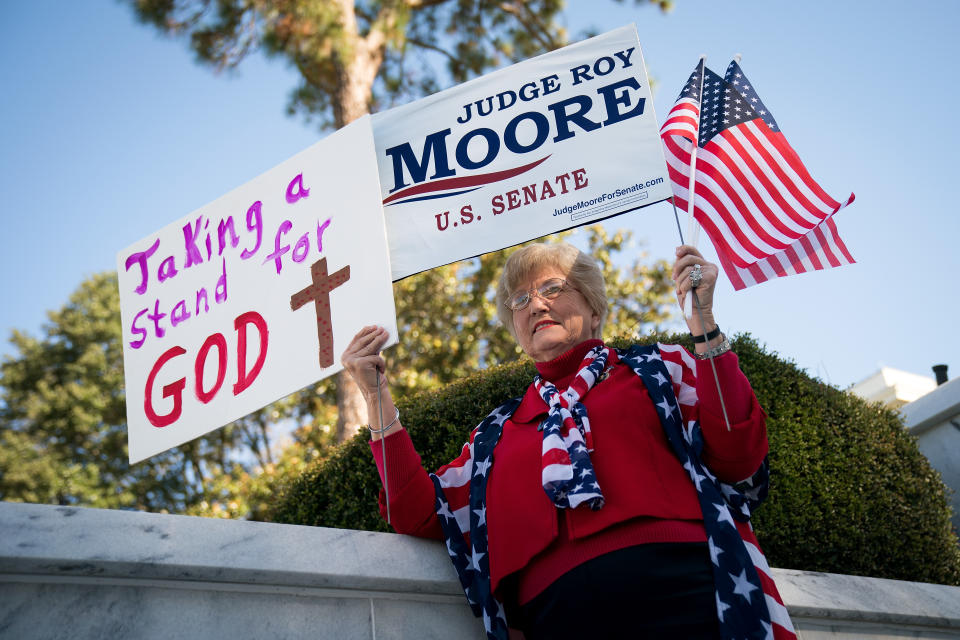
(557,141)
(254,295)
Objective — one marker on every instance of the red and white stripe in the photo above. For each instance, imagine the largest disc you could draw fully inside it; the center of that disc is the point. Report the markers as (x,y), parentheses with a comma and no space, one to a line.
(752,195)
(455,481)
(682,368)
(821,248)
(556,466)
(682,120)
(782,627)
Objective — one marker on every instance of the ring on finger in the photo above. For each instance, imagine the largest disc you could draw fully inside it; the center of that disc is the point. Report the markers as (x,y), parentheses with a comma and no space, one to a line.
(696,276)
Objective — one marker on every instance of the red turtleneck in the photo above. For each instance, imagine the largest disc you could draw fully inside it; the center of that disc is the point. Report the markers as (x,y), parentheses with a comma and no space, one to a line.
(648,495)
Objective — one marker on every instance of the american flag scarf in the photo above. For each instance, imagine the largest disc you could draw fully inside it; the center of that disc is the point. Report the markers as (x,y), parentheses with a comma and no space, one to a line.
(567,475)
(748,604)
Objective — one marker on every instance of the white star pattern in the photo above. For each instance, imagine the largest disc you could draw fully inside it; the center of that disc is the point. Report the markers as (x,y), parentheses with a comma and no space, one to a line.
(475,560)
(482,515)
(723,514)
(715,552)
(697,479)
(750,94)
(666,406)
(482,467)
(709,475)
(659,377)
(742,586)
(767,629)
(444,511)
(721,607)
(753,494)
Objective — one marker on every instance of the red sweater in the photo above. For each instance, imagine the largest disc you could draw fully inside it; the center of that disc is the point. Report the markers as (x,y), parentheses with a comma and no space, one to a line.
(648,496)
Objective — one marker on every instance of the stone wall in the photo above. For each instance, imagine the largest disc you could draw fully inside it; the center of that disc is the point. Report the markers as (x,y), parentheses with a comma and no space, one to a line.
(88,573)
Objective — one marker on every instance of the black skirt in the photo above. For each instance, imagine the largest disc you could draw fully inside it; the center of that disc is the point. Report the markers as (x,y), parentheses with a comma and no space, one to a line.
(661,590)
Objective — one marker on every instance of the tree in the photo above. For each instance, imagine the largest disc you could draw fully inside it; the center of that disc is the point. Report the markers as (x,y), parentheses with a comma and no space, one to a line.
(354,57)
(63,420)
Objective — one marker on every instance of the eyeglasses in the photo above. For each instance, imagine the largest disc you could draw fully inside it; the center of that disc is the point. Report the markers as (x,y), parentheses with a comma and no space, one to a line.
(549,290)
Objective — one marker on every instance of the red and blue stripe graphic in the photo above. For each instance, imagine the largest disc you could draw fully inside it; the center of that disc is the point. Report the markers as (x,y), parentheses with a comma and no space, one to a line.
(456,186)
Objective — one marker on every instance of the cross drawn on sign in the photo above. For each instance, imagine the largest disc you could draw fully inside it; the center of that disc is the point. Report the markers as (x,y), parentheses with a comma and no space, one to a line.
(319,292)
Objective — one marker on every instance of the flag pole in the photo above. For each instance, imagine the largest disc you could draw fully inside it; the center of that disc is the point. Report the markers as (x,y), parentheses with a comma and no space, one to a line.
(693,292)
(693,227)
(383,449)
(676,217)
(713,365)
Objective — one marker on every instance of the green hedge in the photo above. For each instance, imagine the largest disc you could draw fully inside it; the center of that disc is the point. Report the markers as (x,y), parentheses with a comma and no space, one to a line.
(850,491)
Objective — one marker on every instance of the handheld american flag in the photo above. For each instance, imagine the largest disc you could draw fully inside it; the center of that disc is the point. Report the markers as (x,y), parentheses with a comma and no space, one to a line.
(764,213)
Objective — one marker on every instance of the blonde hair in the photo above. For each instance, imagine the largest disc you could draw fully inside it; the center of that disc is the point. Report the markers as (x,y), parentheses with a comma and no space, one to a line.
(580,271)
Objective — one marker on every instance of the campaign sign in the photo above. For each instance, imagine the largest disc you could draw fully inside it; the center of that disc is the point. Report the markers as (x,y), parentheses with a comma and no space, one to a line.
(554,142)
(254,295)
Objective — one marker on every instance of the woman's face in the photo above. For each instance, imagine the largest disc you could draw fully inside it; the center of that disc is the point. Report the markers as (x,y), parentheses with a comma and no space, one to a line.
(547,328)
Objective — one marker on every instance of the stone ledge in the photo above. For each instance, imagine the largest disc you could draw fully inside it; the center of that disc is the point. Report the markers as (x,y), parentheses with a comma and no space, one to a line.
(70,541)
(99,555)
(832,596)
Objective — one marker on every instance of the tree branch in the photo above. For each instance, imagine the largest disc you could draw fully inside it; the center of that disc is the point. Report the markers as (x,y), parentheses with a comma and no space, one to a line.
(432,47)
(416,5)
(531,23)
(252,437)
(265,434)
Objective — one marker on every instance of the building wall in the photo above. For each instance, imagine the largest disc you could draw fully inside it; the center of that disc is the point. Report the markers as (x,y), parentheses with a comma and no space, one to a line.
(935,420)
(893,388)
(88,573)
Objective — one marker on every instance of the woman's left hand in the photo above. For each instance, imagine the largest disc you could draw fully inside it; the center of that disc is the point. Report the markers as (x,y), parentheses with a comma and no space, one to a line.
(687,258)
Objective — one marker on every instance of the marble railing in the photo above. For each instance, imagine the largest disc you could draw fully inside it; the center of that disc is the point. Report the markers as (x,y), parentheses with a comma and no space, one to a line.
(89,573)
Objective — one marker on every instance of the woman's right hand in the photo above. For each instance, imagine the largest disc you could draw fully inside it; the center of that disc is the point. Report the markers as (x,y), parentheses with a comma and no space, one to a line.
(362,359)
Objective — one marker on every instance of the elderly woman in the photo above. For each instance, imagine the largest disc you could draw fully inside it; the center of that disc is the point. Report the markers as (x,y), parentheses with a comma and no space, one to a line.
(597,504)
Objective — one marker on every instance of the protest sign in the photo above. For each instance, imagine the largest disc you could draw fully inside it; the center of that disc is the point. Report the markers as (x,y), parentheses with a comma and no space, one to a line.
(564,139)
(254,295)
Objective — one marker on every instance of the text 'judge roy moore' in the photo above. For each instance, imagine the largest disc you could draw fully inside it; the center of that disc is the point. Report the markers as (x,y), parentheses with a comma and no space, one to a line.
(526,132)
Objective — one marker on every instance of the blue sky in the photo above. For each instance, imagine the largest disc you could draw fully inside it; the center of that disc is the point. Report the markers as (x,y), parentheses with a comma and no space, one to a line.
(108,132)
